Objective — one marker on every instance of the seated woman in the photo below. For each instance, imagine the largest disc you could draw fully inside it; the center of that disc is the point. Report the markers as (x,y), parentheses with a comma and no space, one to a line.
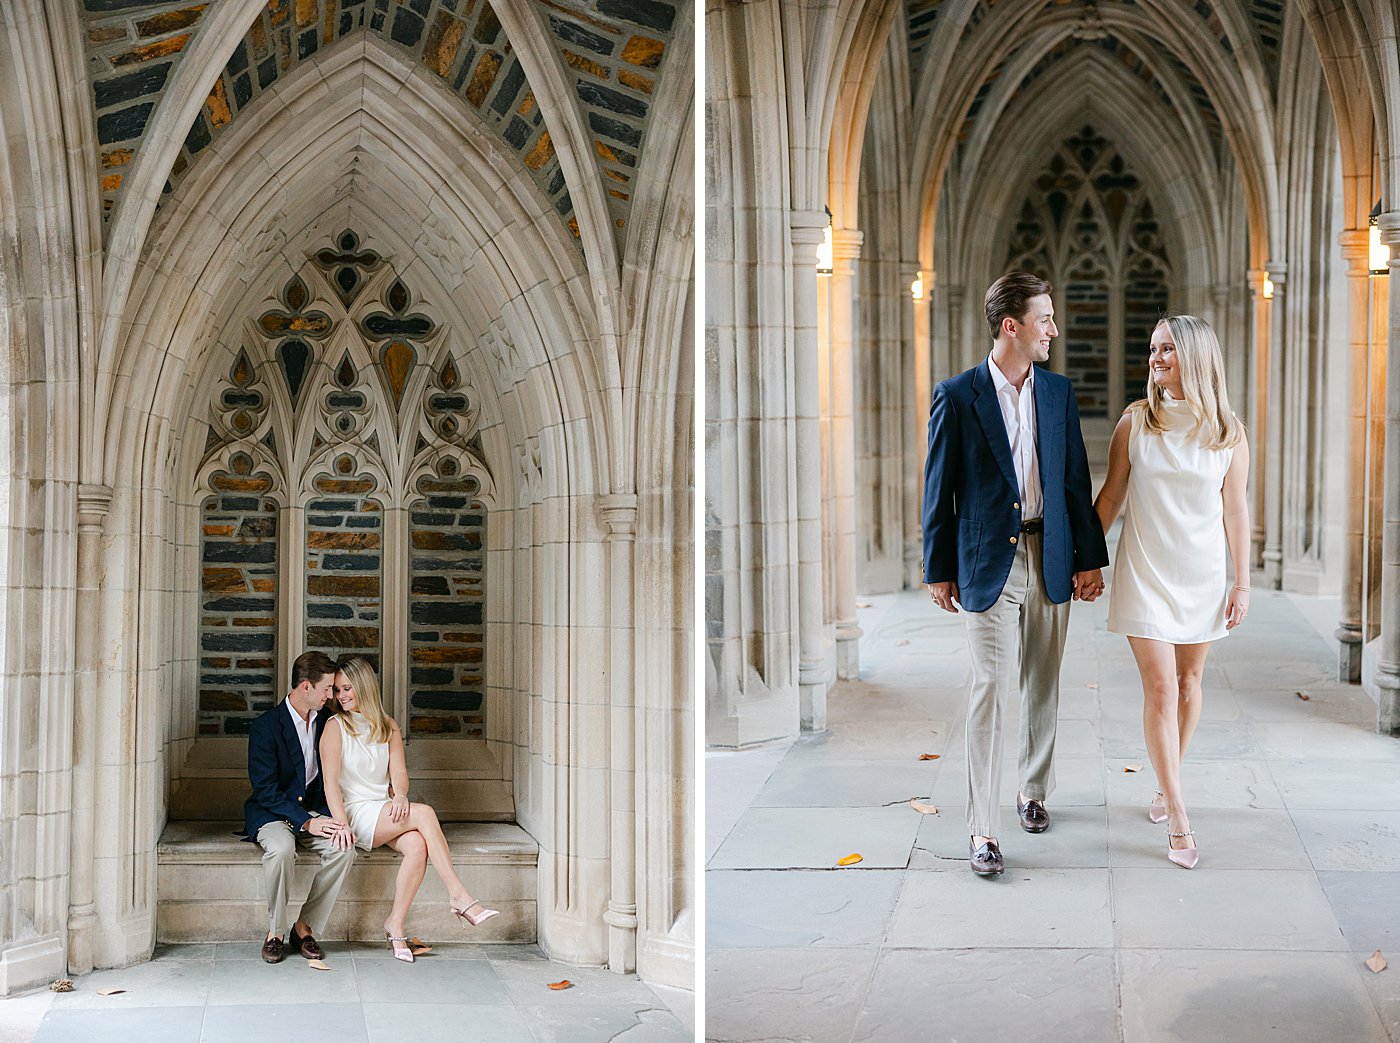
(366,781)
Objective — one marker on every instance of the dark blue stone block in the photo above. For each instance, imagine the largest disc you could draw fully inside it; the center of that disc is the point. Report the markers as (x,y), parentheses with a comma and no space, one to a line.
(517,132)
(430,675)
(470,519)
(564,205)
(431,586)
(446,564)
(306,44)
(113,5)
(615,129)
(649,13)
(421,6)
(240,552)
(447,502)
(267,72)
(257,528)
(463,702)
(466,68)
(130,86)
(243,90)
(350,562)
(238,725)
(424,635)
(240,605)
(408,28)
(508,89)
(429,518)
(556,183)
(198,138)
(364,521)
(241,680)
(239,503)
(239,60)
(572,32)
(607,98)
(332,611)
(442,612)
(124,124)
(331,505)
(326,521)
(211,641)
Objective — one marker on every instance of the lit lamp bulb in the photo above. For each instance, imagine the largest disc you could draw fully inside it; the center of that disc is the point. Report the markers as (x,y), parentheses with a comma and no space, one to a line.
(824,253)
(1268,288)
(1380,253)
(916,288)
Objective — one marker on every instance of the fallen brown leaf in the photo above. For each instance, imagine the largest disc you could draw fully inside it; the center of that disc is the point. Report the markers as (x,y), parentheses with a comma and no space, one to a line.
(1131,767)
(1376,962)
(850,860)
(109,992)
(929,756)
(318,965)
(560,986)
(1091,686)
(902,642)
(419,946)
(921,807)
(862,604)
(1303,696)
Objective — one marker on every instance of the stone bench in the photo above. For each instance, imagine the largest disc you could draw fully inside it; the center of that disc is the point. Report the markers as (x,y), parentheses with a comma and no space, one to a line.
(209,886)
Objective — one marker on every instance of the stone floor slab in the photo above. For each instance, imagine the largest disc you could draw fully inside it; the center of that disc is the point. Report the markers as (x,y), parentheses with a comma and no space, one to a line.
(1078,782)
(1233,997)
(444,1023)
(341,1022)
(1235,838)
(238,982)
(1205,784)
(798,908)
(136,1025)
(1350,840)
(1341,785)
(1326,740)
(897,742)
(431,981)
(802,996)
(1210,908)
(1076,839)
(1366,907)
(731,780)
(817,838)
(1026,995)
(161,983)
(799,782)
(964,911)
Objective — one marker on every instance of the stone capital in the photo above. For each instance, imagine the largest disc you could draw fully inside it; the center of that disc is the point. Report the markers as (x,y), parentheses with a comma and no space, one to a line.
(846,244)
(1389,224)
(618,512)
(807,227)
(94,504)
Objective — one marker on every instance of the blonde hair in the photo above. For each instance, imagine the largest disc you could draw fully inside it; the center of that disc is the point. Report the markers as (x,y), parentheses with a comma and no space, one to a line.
(1202,370)
(370,703)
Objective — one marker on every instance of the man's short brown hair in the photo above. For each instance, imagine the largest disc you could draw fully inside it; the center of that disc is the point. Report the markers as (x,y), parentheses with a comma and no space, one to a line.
(1010,296)
(311,666)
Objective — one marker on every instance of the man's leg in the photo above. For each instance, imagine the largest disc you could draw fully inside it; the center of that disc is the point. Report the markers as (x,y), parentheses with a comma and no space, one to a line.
(279,856)
(1043,629)
(325,885)
(993,639)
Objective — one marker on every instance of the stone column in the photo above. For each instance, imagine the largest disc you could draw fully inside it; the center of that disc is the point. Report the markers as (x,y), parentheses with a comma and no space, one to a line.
(1117,348)
(94,503)
(919,398)
(619,514)
(814,670)
(1272,471)
(1259,358)
(957,352)
(845,252)
(1388,662)
(1355,244)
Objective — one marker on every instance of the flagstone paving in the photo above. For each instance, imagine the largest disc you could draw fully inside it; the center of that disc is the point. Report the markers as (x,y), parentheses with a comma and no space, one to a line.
(1091,934)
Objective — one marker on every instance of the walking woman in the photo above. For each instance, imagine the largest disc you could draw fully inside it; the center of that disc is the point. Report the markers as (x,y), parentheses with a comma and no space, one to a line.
(1179,462)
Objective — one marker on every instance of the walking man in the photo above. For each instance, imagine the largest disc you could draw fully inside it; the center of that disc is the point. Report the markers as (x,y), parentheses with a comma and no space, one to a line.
(1010,536)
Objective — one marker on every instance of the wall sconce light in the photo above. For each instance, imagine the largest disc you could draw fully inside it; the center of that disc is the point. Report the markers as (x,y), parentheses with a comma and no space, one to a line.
(1380,253)
(916,288)
(1268,288)
(824,250)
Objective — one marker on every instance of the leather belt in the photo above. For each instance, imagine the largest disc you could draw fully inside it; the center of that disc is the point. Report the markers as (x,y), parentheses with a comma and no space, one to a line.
(1033,527)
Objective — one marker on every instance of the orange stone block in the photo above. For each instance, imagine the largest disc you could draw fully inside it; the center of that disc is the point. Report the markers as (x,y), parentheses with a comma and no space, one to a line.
(483,78)
(397,359)
(443,43)
(342,540)
(118,157)
(225,581)
(345,485)
(228,483)
(306,13)
(251,621)
(618,194)
(643,51)
(637,83)
(527,104)
(585,65)
(605,151)
(169,21)
(220,115)
(106,34)
(217,663)
(541,154)
(423,725)
(146,52)
(463,637)
(111,182)
(343,586)
(264,586)
(218,530)
(439,654)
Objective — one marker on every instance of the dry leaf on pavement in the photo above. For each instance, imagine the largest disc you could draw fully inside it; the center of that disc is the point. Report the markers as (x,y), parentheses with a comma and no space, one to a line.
(419,946)
(1091,686)
(560,986)
(109,992)
(929,756)
(318,965)
(1131,767)
(902,642)
(1303,696)
(1376,962)
(849,860)
(921,807)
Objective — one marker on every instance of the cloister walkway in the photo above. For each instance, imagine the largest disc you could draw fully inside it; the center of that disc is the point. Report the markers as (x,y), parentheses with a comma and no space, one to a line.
(1091,934)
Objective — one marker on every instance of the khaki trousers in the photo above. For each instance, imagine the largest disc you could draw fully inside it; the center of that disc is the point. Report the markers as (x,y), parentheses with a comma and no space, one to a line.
(279,846)
(1019,641)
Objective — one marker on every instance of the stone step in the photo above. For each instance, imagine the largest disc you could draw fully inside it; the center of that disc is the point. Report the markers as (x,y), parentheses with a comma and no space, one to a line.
(209,886)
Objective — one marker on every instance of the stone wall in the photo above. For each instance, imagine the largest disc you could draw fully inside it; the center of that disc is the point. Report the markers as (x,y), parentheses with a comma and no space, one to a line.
(344,558)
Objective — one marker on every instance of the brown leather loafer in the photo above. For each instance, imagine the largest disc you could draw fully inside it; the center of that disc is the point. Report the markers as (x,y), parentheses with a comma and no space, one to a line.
(1034,817)
(985,860)
(307,945)
(273,950)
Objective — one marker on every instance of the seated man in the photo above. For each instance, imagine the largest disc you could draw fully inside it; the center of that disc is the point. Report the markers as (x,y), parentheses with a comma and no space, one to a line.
(288,807)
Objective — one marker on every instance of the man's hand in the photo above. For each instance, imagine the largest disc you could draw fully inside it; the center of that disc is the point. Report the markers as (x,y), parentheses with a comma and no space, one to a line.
(1088,585)
(339,833)
(944,594)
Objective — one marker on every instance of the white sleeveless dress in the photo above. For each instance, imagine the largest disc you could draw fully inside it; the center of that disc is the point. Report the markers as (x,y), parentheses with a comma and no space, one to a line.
(1169,580)
(364,777)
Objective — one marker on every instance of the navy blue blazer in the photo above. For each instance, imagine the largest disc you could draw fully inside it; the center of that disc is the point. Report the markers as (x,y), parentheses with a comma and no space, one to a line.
(972,501)
(278,773)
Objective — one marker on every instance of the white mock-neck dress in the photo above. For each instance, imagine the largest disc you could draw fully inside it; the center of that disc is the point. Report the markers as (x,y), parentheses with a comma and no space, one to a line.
(1169,579)
(364,777)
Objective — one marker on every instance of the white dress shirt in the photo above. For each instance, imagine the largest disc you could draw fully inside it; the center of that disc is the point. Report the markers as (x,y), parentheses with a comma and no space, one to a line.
(306,733)
(1018,413)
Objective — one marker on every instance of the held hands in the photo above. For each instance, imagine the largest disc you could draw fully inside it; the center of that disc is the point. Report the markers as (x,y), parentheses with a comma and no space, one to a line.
(398,809)
(339,833)
(944,594)
(1236,607)
(1088,585)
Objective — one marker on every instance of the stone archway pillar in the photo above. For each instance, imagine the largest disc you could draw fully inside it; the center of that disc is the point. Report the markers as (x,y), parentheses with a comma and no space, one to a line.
(94,504)
(1258,407)
(1272,471)
(918,402)
(1388,662)
(1355,243)
(814,669)
(1117,350)
(841,467)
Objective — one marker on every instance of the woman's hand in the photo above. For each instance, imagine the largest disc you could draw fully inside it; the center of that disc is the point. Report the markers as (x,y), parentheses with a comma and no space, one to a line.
(1236,607)
(398,809)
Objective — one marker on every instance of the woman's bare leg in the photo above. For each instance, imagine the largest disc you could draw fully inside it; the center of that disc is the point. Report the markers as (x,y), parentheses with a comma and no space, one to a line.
(1156,663)
(424,819)
(410,876)
(1190,665)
